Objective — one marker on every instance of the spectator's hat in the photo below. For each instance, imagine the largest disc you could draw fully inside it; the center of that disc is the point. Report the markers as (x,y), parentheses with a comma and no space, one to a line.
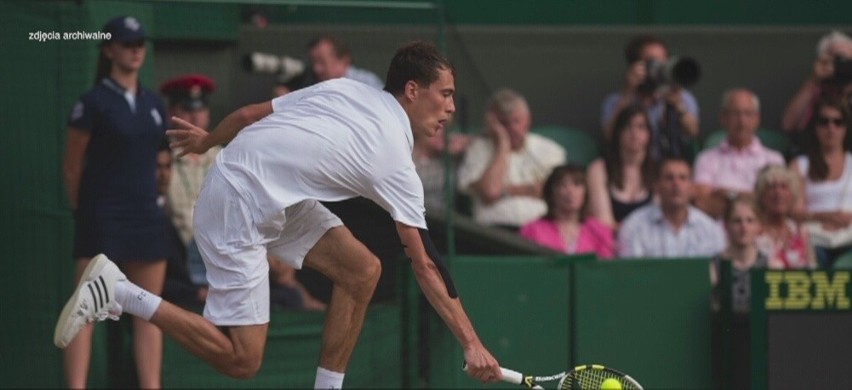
(189,91)
(124,29)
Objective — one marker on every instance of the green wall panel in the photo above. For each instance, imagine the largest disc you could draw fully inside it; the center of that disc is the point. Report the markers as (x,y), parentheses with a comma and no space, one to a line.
(648,318)
(292,352)
(519,307)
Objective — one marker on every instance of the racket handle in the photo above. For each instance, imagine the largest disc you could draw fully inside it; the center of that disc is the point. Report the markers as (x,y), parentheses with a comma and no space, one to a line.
(509,376)
(512,376)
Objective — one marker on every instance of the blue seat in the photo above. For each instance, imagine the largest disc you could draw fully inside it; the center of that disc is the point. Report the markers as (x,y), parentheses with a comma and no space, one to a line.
(580,147)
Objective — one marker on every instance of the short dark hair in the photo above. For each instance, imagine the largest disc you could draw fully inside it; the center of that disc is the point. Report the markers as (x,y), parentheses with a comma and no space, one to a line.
(341,50)
(668,160)
(418,61)
(633,50)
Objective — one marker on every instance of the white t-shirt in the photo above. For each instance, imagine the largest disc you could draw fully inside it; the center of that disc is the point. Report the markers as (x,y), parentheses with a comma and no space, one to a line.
(826,196)
(333,141)
(532,164)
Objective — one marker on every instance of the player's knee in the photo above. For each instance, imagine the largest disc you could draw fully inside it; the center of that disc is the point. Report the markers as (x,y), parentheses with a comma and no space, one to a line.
(364,283)
(244,367)
(374,270)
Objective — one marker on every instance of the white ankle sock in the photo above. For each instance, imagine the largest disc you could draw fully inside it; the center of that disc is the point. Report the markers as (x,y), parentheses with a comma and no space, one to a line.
(134,300)
(327,379)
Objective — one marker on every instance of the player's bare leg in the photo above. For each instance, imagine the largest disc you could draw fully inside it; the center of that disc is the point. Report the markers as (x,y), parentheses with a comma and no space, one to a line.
(355,272)
(236,351)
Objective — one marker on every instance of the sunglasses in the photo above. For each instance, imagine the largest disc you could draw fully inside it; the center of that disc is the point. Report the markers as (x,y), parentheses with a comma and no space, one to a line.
(825,121)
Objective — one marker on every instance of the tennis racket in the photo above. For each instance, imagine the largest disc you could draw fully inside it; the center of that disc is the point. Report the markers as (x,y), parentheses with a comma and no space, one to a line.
(586,377)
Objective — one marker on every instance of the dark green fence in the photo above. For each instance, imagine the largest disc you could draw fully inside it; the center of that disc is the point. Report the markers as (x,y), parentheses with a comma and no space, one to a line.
(650,318)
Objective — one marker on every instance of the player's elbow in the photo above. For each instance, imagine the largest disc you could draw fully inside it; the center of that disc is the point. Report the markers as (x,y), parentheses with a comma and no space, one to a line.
(245,116)
(253,113)
(424,269)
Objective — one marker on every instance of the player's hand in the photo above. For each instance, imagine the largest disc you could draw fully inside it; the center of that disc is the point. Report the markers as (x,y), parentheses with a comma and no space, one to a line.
(481,365)
(187,137)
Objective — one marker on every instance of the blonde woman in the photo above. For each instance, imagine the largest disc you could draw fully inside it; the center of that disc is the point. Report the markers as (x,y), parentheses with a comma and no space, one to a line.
(782,238)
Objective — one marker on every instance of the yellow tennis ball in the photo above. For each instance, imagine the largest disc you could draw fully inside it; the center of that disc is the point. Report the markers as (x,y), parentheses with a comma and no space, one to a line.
(611,384)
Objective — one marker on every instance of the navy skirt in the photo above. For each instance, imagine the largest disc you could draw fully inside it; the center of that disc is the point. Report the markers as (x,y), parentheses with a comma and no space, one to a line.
(121,238)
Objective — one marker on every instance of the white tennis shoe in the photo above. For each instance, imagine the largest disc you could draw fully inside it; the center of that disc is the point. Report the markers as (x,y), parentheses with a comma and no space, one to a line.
(94,300)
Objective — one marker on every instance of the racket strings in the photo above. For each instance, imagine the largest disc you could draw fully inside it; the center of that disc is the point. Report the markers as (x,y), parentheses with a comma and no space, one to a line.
(592,379)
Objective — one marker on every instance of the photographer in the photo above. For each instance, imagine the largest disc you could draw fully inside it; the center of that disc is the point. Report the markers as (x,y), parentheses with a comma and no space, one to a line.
(672,110)
(831,78)
(330,58)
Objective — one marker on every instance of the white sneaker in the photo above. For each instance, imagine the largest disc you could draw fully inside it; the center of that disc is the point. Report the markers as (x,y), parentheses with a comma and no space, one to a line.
(94,300)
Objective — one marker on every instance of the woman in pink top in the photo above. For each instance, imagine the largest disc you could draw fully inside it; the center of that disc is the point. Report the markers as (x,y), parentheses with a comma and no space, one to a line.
(565,227)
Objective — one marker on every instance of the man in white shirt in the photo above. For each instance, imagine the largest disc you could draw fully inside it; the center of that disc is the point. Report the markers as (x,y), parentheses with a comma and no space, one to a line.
(336,140)
(672,228)
(505,170)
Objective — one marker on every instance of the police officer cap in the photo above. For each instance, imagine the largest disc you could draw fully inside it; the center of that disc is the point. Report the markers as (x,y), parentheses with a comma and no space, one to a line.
(124,29)
(189,91)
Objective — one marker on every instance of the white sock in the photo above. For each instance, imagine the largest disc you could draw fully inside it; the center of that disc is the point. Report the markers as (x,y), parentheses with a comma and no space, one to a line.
(327,379)
(134,300)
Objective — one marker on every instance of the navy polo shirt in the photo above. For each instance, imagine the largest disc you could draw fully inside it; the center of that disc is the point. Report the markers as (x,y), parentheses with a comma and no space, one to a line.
(126,131)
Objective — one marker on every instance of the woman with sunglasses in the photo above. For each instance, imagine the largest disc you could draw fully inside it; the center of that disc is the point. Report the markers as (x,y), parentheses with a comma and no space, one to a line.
(826,171)
(114,132)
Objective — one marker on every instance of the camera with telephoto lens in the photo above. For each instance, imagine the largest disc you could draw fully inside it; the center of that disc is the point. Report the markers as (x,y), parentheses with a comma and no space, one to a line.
(842,70)
(677,71)
(284,67)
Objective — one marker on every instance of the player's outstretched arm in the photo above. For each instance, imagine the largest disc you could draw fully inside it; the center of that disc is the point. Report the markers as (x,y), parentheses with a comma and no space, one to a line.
(193,139)
(434,280)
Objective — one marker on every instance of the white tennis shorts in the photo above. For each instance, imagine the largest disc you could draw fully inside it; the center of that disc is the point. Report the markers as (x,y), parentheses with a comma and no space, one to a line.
(234,249)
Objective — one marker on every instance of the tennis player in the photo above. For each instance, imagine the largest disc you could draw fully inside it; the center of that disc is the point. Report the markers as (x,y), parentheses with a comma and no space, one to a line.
(335,140)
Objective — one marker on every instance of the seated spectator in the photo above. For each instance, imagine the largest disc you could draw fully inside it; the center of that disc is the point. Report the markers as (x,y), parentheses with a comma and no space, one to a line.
(826,170)
(777,190)
(672,228)
(621,181)
(188,100)
(504,171)
(330,59)
(742,226)
(177,287)
(668,137)
(428,156)
(565,227)
(730,169)
(821,83)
